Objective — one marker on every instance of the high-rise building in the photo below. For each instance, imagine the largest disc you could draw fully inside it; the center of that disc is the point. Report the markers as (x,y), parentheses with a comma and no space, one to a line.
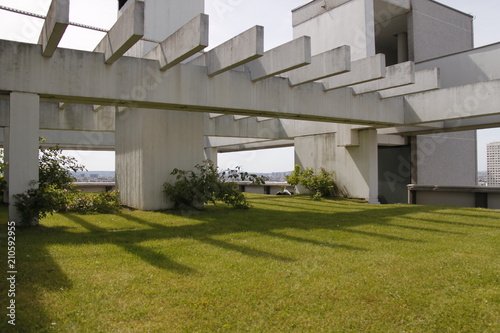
(493,153)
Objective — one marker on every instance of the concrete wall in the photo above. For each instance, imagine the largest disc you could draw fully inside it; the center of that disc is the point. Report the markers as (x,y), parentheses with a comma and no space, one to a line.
(457,196)
(448,159)
(356,168)
(328,28)
(436,30)
(469,67)
(446,199)
(494,201)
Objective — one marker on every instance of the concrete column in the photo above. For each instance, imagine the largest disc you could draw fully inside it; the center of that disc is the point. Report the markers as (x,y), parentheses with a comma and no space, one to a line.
(211,154)
(149,145)
(403,53)
(356,168)
(22,145)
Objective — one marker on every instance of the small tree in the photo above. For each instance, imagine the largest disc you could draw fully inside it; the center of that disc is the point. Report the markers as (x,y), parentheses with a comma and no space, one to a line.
(320,185)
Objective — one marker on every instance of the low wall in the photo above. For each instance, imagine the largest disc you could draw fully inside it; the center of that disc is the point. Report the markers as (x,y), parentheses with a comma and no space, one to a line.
(458,196)
(95,187)
(267,188)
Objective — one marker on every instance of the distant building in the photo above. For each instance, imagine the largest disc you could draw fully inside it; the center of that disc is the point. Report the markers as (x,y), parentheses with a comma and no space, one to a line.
(493,155)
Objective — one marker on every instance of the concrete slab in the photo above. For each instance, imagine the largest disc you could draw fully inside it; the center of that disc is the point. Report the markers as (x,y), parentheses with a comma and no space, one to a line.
(127,31)
(363,70)
(55,25)
(426,80)
(284,58)
(182,44)
(327,64)
(396,76)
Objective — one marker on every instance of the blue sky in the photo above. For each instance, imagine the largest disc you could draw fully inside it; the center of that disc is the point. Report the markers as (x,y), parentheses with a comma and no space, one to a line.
(227,18)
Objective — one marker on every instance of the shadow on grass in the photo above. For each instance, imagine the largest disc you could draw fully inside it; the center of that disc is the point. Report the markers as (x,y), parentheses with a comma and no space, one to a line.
(270,218)
(37,272)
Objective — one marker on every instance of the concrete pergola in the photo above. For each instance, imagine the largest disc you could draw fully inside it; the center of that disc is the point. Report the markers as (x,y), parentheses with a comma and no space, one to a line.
(170,104)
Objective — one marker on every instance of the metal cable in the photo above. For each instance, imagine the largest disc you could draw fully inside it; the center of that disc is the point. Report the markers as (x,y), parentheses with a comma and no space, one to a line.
(79,25)
(43,17)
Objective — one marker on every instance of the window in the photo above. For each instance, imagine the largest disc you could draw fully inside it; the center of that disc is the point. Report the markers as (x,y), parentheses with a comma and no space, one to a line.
(121,3)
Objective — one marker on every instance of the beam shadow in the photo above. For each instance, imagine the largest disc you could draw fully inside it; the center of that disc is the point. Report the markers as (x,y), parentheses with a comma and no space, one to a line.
(314,242)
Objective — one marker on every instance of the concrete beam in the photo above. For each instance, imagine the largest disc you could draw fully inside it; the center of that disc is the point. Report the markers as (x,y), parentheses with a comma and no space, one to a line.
(97,108)
(391,140)
(236,117)
(216,141)
(286,57)
(327,64)
(243,48)
(347,136)
(396,76)
(363,70)
(82,77)
(55,25)
(127,31)
(426,80)
(182,44)
(476,123)
(456,103)
(257,146)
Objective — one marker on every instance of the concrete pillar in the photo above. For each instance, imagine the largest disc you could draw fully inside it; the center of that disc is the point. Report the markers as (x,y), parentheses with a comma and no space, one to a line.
(211,155)
(356,167)
(149,145)
(22,143)
(403,52)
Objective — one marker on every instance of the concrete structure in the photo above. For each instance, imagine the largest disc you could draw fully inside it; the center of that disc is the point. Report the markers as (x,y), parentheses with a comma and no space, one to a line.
(493,156)
(363,90)
(457,196)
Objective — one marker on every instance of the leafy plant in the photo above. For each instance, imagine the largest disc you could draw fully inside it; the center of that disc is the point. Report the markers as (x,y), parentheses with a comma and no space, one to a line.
(38,202)
(102,202)
(56,192)
(193,189)
(320,185)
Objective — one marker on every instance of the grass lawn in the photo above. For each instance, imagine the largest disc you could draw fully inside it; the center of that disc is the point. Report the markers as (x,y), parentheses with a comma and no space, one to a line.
(289,264)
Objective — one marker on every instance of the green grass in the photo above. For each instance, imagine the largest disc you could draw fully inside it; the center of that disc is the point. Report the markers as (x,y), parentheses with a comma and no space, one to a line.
(289,264)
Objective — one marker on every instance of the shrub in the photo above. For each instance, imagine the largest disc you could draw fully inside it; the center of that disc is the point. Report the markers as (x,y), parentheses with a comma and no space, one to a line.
(320,185)
(193,189)
(56,192)
(38,202)
(102,202)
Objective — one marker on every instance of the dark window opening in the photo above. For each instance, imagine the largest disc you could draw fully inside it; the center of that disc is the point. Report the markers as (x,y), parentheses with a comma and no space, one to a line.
(121,3)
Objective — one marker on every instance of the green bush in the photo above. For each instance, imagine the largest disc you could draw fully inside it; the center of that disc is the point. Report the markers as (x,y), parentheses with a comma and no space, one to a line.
(56,192)
(320,185)
(102,203)
(193,189)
